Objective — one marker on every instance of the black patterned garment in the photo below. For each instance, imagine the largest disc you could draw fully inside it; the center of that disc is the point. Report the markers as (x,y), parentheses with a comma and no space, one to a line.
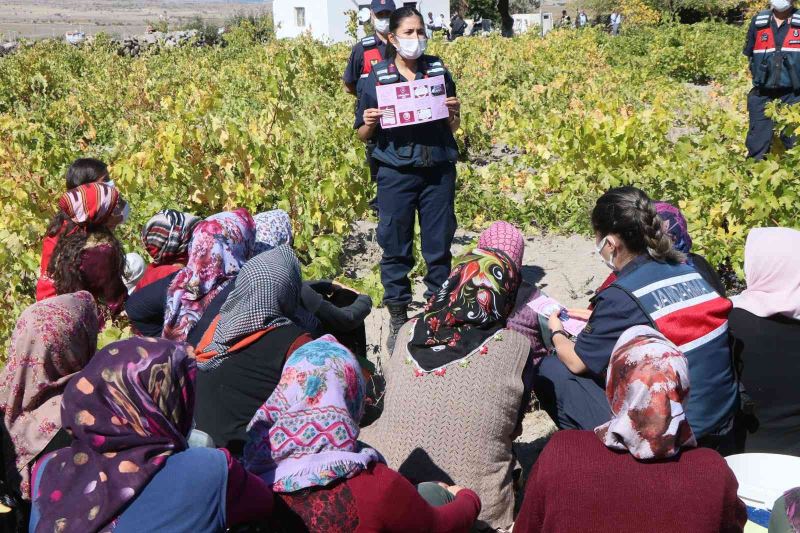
(472,305)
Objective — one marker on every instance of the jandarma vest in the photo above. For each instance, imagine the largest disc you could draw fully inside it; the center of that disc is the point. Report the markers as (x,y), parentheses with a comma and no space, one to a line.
(422,145)
(686,309)
(776,65)
(372,55)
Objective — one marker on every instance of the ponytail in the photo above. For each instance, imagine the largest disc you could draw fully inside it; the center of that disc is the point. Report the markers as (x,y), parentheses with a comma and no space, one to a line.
(629,213)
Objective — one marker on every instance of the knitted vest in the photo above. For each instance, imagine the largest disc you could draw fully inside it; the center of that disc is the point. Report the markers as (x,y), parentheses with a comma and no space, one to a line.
(456,427)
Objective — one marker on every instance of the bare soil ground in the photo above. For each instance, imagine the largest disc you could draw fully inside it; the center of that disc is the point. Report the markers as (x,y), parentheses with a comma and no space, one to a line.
(53,18)
(565,267)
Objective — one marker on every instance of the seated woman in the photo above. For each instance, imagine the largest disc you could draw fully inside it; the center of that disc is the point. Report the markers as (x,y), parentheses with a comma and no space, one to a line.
(324,479)
(641,470)
(128,467)
(654,287)
(765,326)
(88,256)
(81,172)
(241,354)
(53,340)
(674,224)
(166,238)
(325,307)
(220,246)
(454,386)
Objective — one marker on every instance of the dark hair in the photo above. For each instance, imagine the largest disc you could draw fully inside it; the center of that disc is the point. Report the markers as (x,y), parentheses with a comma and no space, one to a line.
(397,17)
(82,171)
(64,267)
(85,170)
(629,213)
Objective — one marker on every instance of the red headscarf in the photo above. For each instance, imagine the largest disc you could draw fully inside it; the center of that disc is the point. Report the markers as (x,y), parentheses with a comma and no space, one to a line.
(90,204)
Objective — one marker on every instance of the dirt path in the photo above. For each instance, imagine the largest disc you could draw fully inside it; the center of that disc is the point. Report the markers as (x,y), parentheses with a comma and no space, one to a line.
(566,268)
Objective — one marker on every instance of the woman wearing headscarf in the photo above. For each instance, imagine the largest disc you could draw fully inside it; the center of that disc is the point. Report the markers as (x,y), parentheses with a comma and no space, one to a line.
(785,517)
(53,340)
(674,224)
(166,238)
(504,236)
(81,172)
(129,467)
(303,441)
(242,353)
(325,307)
(220,246)
(641,471)
(88,256)
(432,429)
(765,326)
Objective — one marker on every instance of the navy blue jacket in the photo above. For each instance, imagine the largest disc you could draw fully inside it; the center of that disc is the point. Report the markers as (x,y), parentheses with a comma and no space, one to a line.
(422,145)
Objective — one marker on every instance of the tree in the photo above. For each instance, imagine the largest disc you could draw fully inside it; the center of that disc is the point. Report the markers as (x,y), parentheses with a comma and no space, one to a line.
(506,21)
(524,6)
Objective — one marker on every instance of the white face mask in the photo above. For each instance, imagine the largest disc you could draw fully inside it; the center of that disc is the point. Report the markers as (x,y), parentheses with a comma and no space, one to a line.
(110,183)
(599,249)
(381,25)
(411,48)
(780,5)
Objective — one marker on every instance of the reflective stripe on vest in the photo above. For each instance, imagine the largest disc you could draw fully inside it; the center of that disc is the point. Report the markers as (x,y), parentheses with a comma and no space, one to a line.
(692,315)
(386,71)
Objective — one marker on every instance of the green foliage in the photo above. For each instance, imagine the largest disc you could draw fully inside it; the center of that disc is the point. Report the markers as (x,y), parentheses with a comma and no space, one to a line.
(264,123)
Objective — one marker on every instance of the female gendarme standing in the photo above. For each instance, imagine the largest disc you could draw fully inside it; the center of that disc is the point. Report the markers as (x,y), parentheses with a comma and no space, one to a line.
(416,171)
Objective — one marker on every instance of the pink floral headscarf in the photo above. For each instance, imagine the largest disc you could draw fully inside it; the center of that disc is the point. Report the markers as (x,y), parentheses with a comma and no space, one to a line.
(306,434)
(52,341)
(221,244)
(647,387)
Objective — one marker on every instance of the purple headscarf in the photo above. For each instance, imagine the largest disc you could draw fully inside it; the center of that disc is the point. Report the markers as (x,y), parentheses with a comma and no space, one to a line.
(128,410)
(305,435)
(675,225)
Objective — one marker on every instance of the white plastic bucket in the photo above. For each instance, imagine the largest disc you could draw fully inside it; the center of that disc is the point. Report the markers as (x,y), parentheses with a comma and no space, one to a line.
(764,477)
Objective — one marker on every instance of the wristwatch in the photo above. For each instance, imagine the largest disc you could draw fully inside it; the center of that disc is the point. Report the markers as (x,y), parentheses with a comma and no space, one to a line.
(560,332)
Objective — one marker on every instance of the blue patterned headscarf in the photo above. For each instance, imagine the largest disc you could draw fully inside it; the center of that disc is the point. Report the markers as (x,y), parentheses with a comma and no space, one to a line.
(306,434)
(273,228)
(675,225)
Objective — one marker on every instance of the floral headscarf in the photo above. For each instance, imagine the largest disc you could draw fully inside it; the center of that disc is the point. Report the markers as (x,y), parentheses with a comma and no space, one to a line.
(53,340)
(221,244)
(472,305)
(90,204)
(273,228)
(128,411)
(647,387)
(506,237)
(266,295)
(674,225)
(305,435)
(167,234)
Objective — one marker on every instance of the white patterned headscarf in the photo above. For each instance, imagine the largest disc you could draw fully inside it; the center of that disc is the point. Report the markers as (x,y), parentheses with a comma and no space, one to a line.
(273,228)
(266,295)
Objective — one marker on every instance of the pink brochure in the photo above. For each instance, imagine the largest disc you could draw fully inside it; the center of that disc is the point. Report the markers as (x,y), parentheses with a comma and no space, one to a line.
(412,102)
(546,306)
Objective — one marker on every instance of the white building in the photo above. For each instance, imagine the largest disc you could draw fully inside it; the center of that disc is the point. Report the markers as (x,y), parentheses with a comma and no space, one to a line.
(327,19)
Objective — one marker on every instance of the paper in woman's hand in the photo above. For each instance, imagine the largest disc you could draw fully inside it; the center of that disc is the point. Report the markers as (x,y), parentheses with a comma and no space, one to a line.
(546,306)
(413,102)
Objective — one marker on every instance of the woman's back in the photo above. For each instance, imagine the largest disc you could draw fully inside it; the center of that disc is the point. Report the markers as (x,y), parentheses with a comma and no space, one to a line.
(578,484)
(456,427)
(188,494)
(768,348)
